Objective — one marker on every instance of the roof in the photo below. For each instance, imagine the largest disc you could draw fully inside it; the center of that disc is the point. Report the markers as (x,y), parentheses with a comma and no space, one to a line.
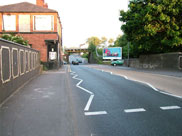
(25,7)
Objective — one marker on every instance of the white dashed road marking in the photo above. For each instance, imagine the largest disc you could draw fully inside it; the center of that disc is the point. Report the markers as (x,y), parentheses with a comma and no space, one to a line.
(170,107)
(86,109)
(95,113)
(134,110)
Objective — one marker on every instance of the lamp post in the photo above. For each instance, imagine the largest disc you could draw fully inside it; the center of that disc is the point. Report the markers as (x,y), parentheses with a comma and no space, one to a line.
(128,54)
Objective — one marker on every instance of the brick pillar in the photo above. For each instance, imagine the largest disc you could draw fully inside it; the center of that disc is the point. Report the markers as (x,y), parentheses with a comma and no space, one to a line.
(45,5)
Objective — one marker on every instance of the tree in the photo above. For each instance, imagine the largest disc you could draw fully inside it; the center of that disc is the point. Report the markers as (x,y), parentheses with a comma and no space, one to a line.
(15,38)
(111,41)
(153,26)
(94,41)
(103,41)
(91,47)
(122,41)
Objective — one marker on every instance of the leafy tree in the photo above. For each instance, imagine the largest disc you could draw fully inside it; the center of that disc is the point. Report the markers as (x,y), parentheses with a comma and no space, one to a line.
(122,41)
(15,38)
(153,26)
(111,41)
(85,55)
(94,41)
(91,47)
(103,41)
(100,51)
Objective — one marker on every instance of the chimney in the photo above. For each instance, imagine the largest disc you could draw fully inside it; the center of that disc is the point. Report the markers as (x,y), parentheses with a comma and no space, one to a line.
(40,3)
(45,5)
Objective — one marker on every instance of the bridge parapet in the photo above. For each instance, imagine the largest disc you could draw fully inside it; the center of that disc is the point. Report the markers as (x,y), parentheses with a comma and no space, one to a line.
(76,50)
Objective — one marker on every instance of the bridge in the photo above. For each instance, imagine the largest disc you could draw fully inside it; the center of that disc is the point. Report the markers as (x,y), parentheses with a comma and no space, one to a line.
(76,50)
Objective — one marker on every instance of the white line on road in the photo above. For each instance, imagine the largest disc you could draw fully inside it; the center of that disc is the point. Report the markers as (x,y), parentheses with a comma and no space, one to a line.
(134,110)
(124,77)
(95,113)
(148,84)
(78,85)
(155,89)
(85,90)
(89,103)
(170,107)
(171,94)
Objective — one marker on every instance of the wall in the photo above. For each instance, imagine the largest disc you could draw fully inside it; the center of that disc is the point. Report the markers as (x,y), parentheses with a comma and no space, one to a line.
(18,64)
(38,42)
(172,61)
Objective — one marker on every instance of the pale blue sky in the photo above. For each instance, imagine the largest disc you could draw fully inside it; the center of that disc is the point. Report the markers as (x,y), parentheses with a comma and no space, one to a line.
(82,19)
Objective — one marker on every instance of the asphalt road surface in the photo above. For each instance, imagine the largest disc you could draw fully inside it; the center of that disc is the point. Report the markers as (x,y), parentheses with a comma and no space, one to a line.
(83,101)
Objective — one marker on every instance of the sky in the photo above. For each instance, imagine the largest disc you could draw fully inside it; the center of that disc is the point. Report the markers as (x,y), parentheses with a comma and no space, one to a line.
(82,19)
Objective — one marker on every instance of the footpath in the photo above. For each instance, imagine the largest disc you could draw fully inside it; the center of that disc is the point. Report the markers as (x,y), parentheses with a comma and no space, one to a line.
(173,73)
(43,107)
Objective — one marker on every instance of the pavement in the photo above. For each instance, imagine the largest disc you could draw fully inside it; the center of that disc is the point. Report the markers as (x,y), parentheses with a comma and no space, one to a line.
(43,107)
(175,73)
(91,100)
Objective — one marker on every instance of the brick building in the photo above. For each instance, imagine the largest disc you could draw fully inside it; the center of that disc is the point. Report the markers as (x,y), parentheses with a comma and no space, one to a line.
(37,24)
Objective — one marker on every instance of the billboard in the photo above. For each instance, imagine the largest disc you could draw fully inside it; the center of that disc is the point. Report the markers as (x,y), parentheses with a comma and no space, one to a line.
(112,53)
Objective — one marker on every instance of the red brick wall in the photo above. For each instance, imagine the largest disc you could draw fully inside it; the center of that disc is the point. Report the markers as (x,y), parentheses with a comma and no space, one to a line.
(0,22)
(38,42)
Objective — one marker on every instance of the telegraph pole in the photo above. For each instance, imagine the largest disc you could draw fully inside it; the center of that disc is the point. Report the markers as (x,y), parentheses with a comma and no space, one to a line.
(128,60)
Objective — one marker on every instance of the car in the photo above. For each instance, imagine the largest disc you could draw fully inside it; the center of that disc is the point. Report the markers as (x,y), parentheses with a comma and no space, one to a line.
(64,62)
(117,62)
(80,61)
(75,62)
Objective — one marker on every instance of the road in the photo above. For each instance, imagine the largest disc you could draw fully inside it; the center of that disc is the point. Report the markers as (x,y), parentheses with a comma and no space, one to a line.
(168,81)
(84,101)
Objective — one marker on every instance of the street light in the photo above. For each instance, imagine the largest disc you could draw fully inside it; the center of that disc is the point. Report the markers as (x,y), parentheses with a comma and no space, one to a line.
(128,54)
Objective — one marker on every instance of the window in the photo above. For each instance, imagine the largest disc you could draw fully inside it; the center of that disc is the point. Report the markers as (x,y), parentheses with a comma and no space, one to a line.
(9,22)
(44,23)
(24,23)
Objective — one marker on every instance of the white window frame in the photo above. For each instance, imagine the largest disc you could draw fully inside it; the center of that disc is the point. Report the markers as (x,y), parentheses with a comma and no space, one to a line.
(29,29)
(52,21)
(4,26)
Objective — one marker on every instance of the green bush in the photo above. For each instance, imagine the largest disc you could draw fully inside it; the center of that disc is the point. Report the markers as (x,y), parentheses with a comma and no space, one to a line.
(15,38)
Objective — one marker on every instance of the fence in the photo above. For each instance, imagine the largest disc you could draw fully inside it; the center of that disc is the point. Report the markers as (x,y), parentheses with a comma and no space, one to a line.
(18,64)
